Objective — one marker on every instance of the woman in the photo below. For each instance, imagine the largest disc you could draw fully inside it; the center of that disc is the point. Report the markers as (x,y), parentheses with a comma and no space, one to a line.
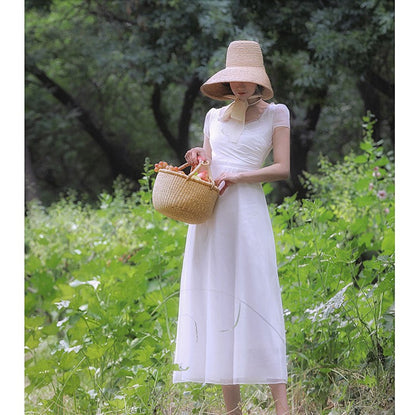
(230,325)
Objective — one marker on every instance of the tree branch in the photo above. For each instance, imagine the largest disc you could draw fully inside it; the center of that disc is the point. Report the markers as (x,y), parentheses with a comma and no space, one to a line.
(161,118)
(186,113)
(180,143)
(302,140)
(116,155)
(67,100)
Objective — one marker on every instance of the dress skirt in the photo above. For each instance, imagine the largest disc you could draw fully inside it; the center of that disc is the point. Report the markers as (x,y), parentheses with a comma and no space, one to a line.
(230,325)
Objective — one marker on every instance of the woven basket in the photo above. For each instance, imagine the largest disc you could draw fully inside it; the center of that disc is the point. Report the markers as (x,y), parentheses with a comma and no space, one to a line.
(184,197)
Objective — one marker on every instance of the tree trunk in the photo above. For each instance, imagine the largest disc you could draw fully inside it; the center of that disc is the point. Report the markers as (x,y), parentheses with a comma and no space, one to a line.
(31,189)
(301,143)
(370,86)
(371,101)
(179,142)
(191,94)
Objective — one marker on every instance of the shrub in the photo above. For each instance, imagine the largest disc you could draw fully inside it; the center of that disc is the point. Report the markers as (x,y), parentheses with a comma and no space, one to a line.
(337,272)
(101,302)
(102,288)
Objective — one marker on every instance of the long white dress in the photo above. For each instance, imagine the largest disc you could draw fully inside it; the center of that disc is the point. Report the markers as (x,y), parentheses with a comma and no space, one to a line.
(230,324)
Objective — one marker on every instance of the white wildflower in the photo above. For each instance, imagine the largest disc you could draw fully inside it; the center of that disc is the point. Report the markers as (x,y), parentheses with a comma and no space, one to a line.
(92,393)
(61,322)
(94,283)
(62,304)
(324,310)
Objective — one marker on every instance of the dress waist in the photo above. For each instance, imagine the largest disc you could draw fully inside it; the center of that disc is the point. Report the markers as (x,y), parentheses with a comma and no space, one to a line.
(220,166)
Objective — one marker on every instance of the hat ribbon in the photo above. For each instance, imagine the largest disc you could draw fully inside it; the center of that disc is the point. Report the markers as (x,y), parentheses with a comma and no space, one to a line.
(237,109)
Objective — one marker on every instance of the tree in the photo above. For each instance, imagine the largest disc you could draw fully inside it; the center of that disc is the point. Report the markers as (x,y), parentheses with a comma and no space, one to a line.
(132,70)
(104,46)
(317,46)
(82,106)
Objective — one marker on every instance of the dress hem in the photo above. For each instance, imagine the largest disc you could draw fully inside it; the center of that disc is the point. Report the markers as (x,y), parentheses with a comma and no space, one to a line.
(215,382)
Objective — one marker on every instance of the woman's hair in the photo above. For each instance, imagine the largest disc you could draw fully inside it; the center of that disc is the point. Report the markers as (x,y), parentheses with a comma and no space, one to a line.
(227,87)
(259,89)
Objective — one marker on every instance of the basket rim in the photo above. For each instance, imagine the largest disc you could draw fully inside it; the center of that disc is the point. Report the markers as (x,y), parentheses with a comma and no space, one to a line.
(174,173)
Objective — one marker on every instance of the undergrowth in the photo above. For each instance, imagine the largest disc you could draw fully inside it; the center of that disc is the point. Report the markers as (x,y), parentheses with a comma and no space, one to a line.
(102,287)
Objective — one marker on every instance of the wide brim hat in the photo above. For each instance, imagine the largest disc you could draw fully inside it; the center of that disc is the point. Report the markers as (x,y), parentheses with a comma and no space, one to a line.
(244,63)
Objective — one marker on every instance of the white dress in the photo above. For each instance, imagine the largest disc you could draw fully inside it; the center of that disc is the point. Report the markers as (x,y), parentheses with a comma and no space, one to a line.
(230,324)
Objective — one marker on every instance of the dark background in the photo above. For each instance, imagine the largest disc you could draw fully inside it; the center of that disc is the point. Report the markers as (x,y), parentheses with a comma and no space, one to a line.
(109,83)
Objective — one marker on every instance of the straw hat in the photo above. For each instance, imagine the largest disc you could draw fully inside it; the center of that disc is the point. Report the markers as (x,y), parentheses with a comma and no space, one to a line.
(244,63)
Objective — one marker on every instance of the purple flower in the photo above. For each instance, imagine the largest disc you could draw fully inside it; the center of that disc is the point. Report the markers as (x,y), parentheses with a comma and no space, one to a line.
(381,194)
(371,186)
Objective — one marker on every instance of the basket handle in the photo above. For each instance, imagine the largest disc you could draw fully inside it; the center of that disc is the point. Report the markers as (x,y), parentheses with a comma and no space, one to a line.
(184,166)
(196,169)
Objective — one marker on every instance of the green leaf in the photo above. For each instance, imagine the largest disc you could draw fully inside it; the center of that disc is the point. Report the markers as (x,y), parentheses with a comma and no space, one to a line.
(53,261)
(359,225)
(68,361)
(361,159)
(388,242)
(366,145)
(366,239)
(32,341)
(267,188)
(72,384)
(362,184)
(383,161)
(34,322)
(325,216)
(364,201)
(32,264)
(94,351)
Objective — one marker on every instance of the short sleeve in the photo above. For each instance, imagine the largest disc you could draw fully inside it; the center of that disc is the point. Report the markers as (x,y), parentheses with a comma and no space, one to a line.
(281,116)
(207,123)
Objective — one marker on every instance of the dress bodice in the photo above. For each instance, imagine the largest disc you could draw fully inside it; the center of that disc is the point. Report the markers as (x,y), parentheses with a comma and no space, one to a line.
(243,147)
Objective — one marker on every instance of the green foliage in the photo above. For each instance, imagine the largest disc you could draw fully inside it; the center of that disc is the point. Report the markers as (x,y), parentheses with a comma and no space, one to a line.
(101,302)
(109,55)
(89,60)
(337,271)
(102,294)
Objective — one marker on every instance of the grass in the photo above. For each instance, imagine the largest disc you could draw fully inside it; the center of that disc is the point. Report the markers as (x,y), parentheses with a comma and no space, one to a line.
(350,396)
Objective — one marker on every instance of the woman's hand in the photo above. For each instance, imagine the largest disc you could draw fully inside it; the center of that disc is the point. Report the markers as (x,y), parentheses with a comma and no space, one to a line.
(279,170)
(225,180)
(196,155)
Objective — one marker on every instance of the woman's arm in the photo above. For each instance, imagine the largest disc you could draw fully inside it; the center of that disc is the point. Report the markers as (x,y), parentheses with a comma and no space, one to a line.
(279,170)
